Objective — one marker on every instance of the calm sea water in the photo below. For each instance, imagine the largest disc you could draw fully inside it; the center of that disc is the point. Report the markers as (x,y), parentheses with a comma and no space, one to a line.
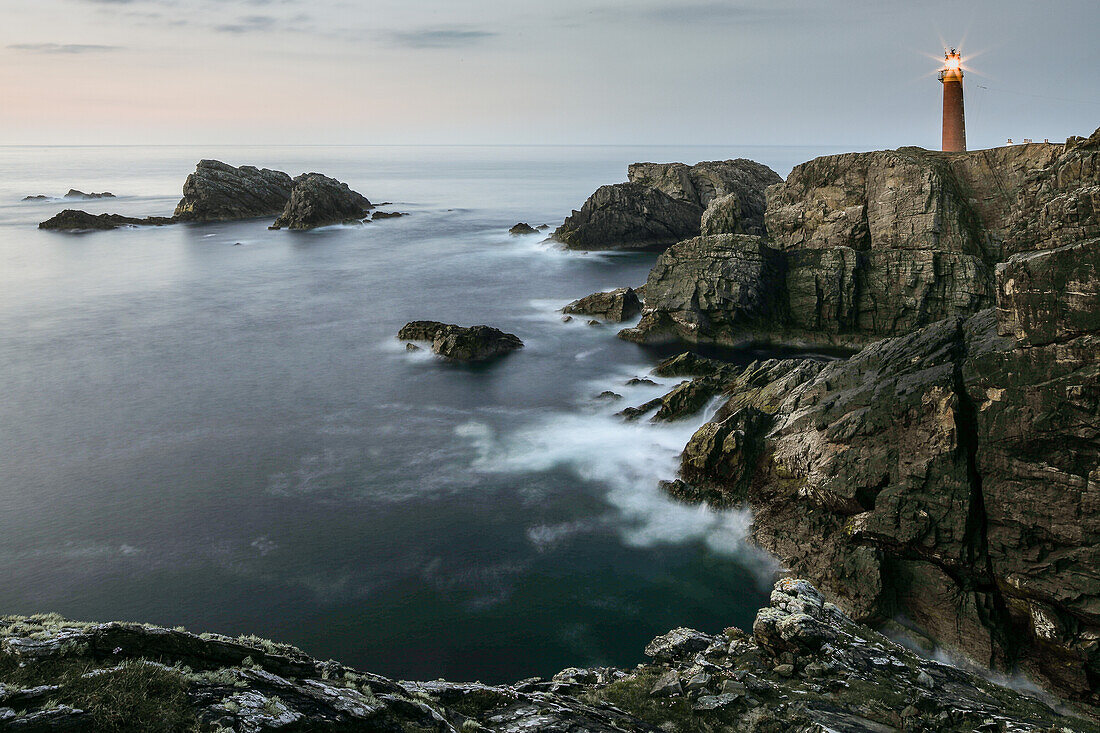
(214,425)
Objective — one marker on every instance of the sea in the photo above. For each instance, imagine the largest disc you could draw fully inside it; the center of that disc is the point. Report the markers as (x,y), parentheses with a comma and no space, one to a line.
(214,426)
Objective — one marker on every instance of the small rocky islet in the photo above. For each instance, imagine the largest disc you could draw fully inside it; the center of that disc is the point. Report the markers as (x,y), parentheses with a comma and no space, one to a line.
(941,483)
(217,191)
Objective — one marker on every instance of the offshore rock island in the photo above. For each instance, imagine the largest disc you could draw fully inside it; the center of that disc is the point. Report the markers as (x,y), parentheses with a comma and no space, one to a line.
(942,483)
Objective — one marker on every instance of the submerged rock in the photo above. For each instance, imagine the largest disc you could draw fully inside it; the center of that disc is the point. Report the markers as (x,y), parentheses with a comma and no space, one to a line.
(460,343)
(386,215)
(317,201)
(75,220)
(615,305)
(220,192)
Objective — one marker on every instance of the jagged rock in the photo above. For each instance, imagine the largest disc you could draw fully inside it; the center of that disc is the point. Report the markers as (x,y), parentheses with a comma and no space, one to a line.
(678,644)
(668,684)
(386,215)
(723,455)
(688,364)
(629,216)
(461,343)
(720,287)
(522,228)
(220,192)
(75,194)
(950,474)
(37,197)
(1050,295)
(76,220)
(210,682)
(317,201)
(702,183)
(723,216)
(615,305)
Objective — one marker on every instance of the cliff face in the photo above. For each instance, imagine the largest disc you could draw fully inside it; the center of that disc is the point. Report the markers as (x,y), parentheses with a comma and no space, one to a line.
(663,203)
(951,475)
(803,667)
(879,244)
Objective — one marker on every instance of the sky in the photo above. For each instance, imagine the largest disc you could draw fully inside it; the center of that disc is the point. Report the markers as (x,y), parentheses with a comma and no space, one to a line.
(857,73)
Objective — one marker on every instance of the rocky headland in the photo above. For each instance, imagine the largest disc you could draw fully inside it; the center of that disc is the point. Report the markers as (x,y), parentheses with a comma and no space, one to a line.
(946,476)
(803,666)
(663,203)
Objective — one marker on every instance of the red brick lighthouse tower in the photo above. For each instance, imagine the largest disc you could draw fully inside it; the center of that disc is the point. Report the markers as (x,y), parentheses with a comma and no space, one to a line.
(954,124)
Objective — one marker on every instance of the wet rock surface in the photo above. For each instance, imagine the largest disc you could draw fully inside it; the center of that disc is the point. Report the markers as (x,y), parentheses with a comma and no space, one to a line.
(522,228)
(461,343)
(74,220)
(804,666)
(615,305)
(317,201)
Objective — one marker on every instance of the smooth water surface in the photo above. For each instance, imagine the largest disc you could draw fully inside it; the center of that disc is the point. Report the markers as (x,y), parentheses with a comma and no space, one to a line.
(214,425)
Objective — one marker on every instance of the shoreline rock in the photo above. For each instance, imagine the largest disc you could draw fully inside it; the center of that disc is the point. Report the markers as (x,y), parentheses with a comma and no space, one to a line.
(74,220)
(317,201)
(803,666)
(461,343)
(616,305)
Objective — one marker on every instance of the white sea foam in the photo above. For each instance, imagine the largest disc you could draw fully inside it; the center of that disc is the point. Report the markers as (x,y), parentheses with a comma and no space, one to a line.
(629,458)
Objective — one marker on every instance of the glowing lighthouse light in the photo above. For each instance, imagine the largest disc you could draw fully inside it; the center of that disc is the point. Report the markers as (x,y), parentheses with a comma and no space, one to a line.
(954,122)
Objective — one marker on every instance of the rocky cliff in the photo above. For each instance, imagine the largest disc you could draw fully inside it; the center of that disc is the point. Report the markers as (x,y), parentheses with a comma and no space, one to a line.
(950,476)
(803,667)
(879,244)
(663,203)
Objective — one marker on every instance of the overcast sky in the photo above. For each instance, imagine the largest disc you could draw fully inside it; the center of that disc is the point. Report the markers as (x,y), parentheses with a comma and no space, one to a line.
(858,73)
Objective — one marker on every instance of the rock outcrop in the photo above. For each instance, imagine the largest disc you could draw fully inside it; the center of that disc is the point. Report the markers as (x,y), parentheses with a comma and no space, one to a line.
(879,244)
(664,202)
(721,287)
(317,201)
(703,183)
(73,194)
(522,228)
(220,192)
(74,220)
(803,667)
(629,216)
(951,475)
(461,343)
(615,305)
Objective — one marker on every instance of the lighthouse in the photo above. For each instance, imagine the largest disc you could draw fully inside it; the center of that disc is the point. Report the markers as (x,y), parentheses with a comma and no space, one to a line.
(954,123)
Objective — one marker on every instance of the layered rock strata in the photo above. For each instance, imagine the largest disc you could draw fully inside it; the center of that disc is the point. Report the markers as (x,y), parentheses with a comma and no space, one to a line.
(951,475)
(663,203)
(879,244)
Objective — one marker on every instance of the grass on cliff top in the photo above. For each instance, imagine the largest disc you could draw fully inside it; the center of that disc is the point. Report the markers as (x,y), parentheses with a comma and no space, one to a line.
(672,714)
(135,696)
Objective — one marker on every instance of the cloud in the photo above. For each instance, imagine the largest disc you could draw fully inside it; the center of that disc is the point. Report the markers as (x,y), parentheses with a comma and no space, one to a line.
(63,47)
(248,24)
(441,37)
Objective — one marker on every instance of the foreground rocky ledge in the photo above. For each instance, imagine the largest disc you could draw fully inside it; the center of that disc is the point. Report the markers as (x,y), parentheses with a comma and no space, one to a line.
(804,666)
